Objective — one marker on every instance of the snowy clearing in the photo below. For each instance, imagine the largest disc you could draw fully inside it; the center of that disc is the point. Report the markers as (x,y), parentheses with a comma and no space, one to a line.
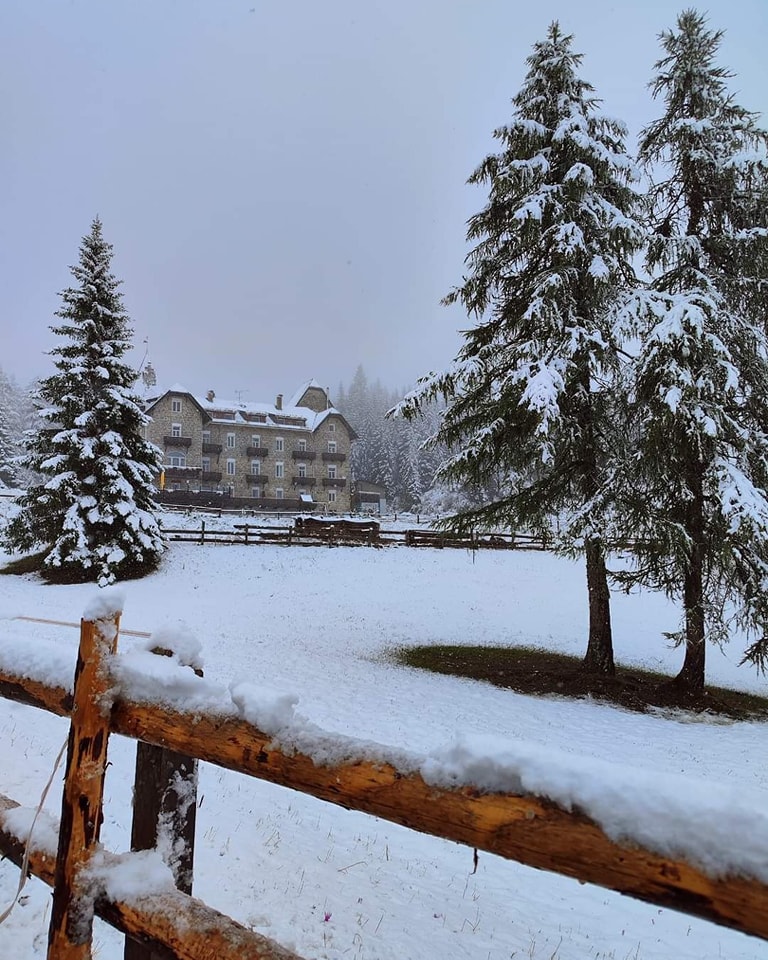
(317,623)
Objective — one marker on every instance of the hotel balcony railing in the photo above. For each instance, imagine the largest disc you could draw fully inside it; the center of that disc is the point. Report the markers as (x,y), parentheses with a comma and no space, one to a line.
(182,473)
(304,481)
(257,477)
(257,451)
(178,441)
(304,455)
(211,447)
(334,482)
(334,457)
(210,476)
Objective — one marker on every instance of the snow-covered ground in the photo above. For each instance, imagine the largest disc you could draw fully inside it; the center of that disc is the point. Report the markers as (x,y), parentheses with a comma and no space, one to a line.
(336,884)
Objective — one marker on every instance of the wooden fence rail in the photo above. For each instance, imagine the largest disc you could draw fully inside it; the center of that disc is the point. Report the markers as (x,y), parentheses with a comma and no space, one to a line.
(251,534)
(528,829)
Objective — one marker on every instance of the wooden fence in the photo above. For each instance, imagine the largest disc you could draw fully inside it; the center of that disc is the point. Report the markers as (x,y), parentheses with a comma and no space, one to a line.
(254,533)
(528,829)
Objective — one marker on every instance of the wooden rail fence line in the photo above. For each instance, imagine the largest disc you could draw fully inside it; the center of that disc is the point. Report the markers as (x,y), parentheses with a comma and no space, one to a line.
(528,829)
(253,533)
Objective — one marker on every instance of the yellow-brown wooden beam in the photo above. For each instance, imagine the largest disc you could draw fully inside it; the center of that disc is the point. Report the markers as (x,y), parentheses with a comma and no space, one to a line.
(527,829)
(173,922)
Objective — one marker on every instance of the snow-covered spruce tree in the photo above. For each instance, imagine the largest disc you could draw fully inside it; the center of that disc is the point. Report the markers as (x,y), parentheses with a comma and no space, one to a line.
(93,513)
(10,430)
(700,405)
(528,393)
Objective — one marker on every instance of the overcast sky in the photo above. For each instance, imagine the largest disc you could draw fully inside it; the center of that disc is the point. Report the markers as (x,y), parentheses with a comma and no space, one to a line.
(283,182)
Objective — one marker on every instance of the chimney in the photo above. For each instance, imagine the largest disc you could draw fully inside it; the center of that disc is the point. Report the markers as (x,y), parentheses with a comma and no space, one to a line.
(210,396)
(279,402)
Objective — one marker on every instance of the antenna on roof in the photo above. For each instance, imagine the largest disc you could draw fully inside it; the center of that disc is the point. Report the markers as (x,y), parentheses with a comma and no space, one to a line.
(239,395)
(146,354)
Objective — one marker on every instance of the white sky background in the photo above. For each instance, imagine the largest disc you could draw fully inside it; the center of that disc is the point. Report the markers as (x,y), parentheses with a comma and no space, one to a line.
(283,183)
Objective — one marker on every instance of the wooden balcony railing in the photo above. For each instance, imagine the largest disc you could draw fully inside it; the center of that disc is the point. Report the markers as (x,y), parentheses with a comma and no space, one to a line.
(210,476)
(304,481)
(304,455)
(182,473)
(257,451)
(334,482)
(334,457)
(177,441)
(211,447)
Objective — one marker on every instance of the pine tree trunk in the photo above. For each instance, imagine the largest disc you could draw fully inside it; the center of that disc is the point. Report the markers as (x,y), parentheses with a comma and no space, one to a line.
(599,657)
(692,675)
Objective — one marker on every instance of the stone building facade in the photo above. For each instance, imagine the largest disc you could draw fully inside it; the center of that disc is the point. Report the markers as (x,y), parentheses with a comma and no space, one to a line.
(290,456)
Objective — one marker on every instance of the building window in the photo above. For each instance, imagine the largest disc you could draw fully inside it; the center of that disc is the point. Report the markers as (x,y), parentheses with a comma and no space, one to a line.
(206,436)
(331,471)
(279,444)
(301,469)
(175,406)
(206,464)
(256,467)
(175,429)
(256,492)
(230,441)
(177,460)
(175,486)
(256,440)
(331,446)
(231,468)
(331,496)
(302,445)
(331,428)
(279,493)
(279,472)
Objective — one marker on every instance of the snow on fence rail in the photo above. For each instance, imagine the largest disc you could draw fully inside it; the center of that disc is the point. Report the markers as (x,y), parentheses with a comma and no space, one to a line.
(254,533)
(703,852)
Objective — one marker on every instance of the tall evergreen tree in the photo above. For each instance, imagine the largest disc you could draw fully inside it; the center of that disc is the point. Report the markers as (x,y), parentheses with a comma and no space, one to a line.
(551,254)
(10,430)
(93,512)
(700,379)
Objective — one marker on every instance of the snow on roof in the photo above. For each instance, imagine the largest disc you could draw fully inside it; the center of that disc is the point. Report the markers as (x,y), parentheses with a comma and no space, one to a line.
(256,413)
(294,401)
(268,413)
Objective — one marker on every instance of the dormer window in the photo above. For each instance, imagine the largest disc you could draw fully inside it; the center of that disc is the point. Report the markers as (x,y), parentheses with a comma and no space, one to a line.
(176,405)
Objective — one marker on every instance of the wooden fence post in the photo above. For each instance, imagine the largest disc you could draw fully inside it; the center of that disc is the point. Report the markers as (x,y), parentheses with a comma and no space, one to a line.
(202,531)
(70,930)
(165,810)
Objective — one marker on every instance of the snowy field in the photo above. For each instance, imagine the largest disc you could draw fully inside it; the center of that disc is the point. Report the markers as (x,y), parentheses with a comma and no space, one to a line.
(334,884)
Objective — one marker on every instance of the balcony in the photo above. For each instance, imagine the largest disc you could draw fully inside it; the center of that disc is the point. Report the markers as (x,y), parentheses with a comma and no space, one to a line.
(210,476)
(334,457)
(178,441)
(334,482)
(257,477)
(257,451)
(181,473)
(211,447)
(304,481)
(304,455)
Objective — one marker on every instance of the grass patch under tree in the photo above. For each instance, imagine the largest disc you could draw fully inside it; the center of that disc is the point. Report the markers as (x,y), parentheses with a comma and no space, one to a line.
(541,673)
